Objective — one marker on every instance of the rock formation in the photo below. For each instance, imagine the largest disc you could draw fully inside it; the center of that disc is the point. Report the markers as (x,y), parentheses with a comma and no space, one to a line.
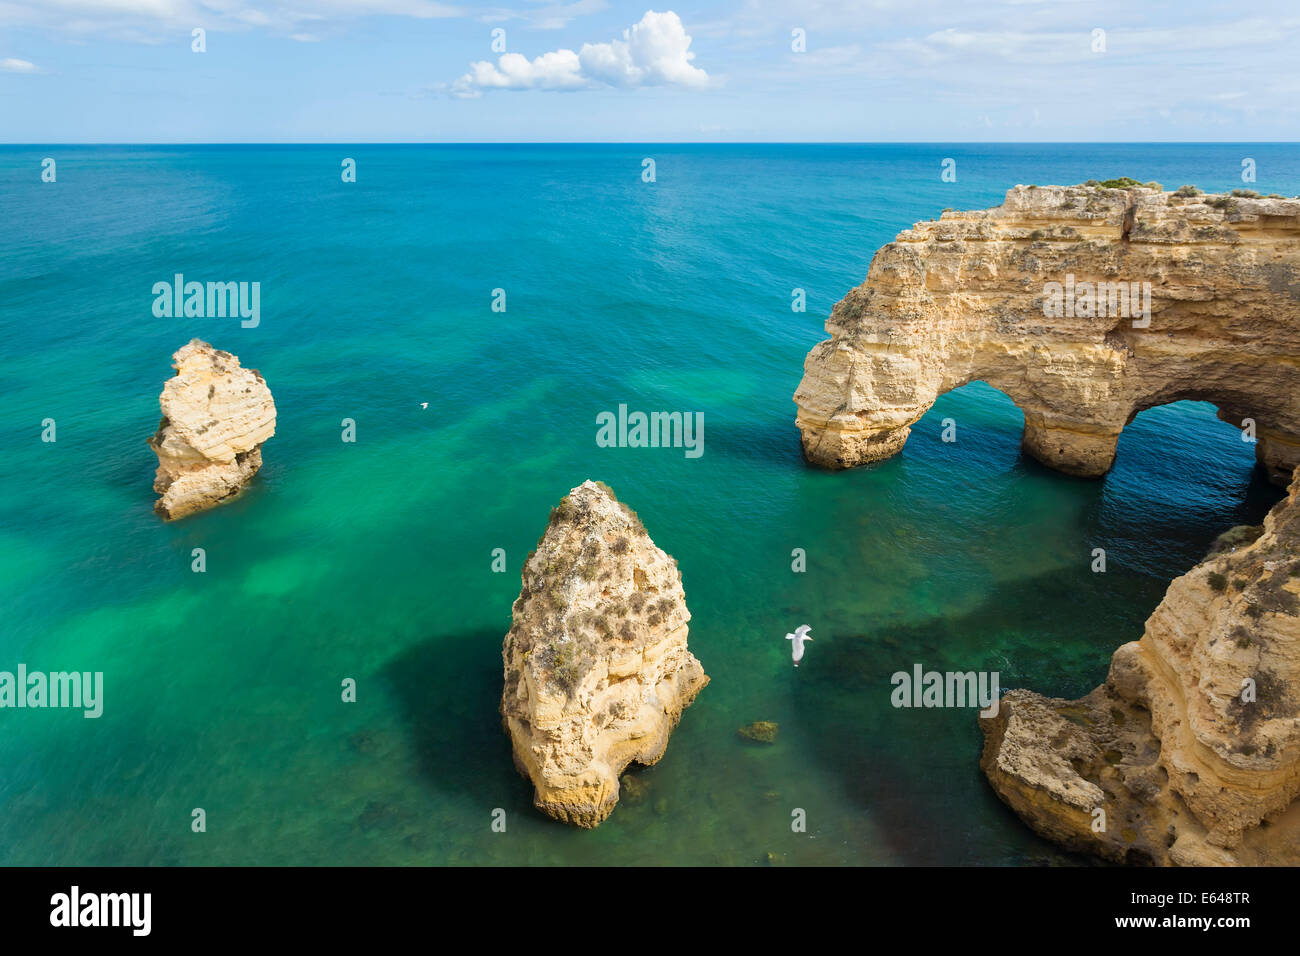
(968,297)
(216,416)
(1086,305)
(1192,746)
(759,732)
(597,671)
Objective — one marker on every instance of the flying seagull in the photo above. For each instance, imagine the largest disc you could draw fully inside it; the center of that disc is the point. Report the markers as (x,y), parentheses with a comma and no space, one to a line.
(799,636)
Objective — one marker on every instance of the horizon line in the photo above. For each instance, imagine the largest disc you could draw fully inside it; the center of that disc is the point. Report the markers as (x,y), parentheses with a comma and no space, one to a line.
(756,142)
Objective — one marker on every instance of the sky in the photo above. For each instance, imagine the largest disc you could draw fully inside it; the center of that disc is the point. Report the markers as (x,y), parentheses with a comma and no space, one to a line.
(128,71)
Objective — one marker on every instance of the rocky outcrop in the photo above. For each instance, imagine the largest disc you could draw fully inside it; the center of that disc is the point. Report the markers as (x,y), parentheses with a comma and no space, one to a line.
(1189,754)
(1086,305)
(968,297)
(216,415)
(597,671)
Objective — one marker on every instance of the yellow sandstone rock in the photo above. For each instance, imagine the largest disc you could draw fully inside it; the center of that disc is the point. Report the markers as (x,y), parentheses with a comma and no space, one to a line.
(597,671)
(216,415)
(1191,749)
(1161,297)
(1087,305)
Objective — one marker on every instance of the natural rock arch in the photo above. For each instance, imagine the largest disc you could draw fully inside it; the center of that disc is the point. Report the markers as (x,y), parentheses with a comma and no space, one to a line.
(1190,752)
(1161,297)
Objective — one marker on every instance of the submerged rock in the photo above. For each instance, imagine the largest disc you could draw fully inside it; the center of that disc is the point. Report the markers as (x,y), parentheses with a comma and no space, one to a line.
(1189,754)
(597,671)
(216,415)
(634,789)
(760,731)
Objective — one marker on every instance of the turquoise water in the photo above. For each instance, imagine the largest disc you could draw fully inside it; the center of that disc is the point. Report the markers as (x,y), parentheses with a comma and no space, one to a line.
(372,560)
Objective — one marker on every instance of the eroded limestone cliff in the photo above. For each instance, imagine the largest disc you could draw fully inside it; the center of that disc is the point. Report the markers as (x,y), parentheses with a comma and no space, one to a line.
(963,298)
(597,671)
(216,415)
(1191,749)
(1087,305)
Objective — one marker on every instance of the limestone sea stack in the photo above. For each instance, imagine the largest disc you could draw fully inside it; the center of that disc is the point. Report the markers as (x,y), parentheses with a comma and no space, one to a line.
(597,671)
(1085,305)
(216,415)
(1191,749)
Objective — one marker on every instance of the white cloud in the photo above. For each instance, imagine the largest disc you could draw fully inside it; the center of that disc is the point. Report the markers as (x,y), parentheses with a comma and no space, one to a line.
(653,52)
(420,9)
(550,17)
(560,70)
(149,20)
(15,65)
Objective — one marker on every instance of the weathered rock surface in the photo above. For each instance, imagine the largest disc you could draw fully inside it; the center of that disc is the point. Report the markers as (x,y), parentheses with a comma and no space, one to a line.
(1188,767)
(961,299)
(216,415)
(760,731)
(597,671)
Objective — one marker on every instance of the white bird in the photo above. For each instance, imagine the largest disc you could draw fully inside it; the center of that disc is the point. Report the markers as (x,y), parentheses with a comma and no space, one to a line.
(424,404)
(799,636)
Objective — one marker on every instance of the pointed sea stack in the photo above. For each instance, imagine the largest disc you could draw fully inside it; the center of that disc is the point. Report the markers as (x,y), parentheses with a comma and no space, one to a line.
(597,671)
(216,415)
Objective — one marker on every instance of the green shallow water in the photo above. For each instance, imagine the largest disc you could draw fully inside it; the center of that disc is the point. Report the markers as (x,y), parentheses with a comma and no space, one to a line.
(373,560)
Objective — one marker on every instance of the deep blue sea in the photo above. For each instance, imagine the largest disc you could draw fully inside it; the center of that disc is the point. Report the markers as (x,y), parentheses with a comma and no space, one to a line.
(372,560)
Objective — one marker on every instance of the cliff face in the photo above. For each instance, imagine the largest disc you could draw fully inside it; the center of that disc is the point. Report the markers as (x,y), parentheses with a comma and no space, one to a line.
(1087,305)
(597,671)
(1192,746)
(216,415)
(964,298)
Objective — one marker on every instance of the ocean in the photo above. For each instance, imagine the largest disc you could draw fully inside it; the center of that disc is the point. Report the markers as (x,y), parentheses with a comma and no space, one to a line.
(372,560)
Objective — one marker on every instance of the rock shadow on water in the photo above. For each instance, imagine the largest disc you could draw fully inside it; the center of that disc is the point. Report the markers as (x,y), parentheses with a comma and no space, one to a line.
(916,770)
(764,444)
(1186,530)
(449,690)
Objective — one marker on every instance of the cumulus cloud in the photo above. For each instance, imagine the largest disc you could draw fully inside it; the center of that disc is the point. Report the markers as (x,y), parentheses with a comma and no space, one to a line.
(653,52)
(15,65)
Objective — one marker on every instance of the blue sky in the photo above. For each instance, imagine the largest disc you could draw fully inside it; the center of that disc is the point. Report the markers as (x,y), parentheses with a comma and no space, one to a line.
(691,70)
